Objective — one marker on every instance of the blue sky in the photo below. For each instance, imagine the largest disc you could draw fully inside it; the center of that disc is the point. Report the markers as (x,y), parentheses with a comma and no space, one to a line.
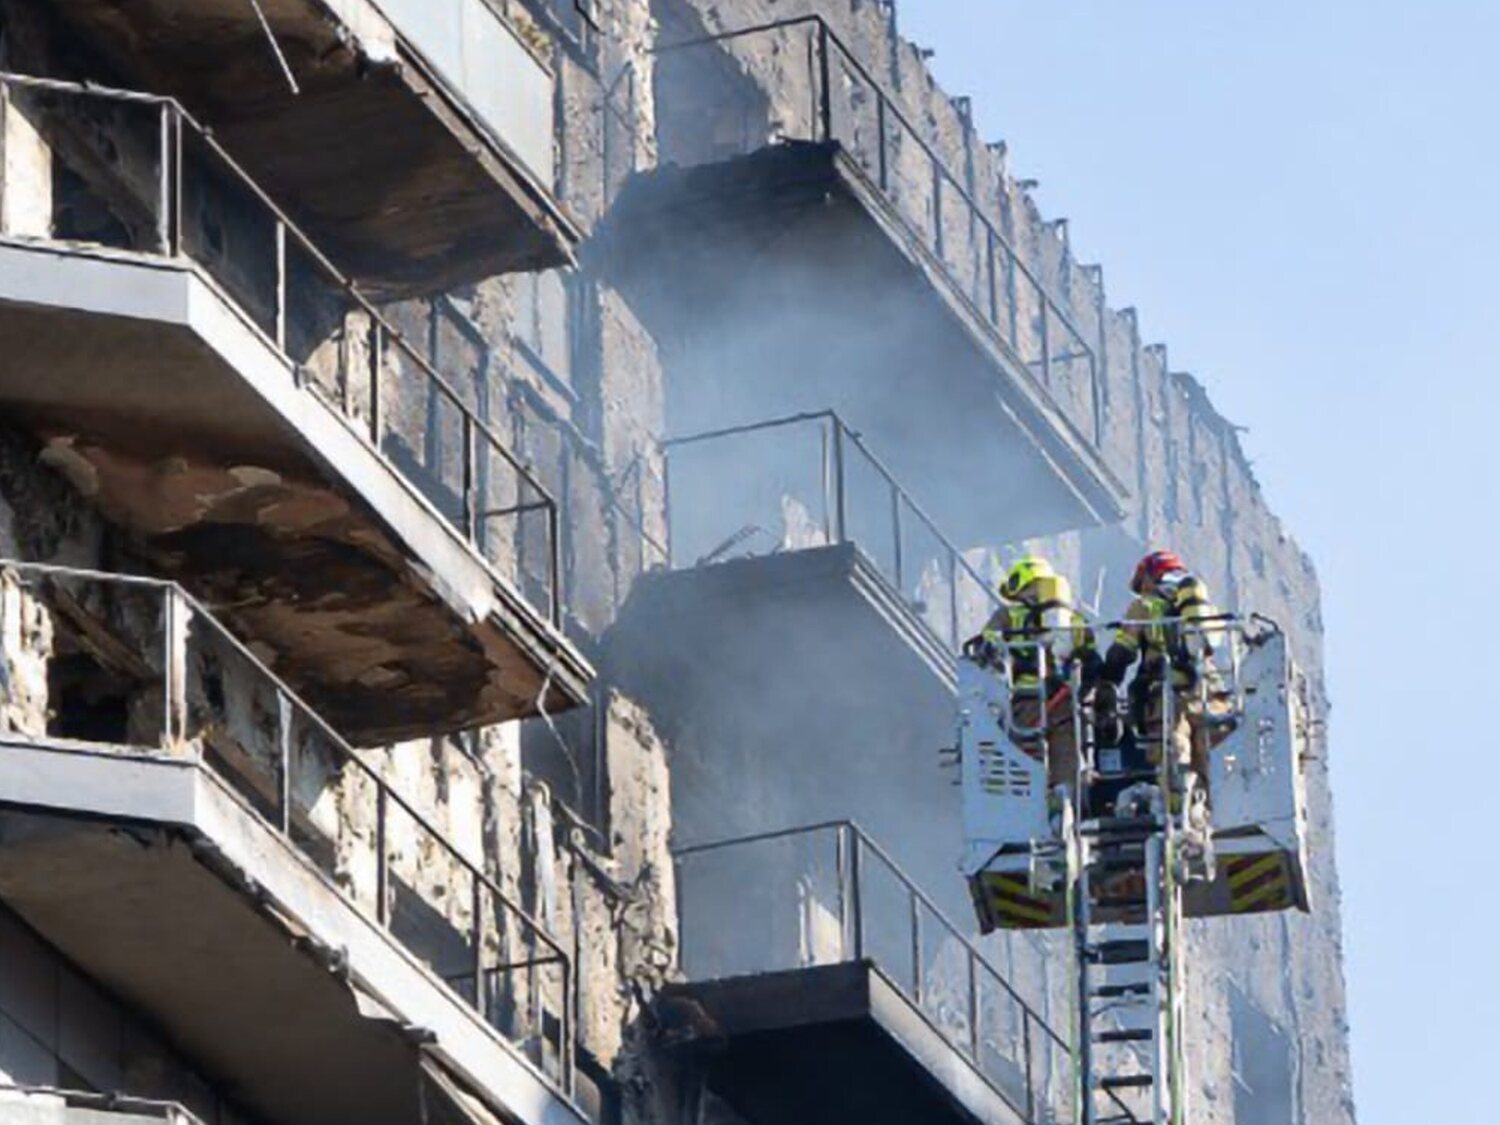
(1301,200)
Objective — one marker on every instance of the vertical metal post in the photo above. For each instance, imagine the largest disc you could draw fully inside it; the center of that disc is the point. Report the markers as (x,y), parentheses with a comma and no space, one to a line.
(164,185)
(841,865)
(481,1002)
(826,438)
(937,207)
(896,534)
(377,360)
(916,945)
(974,1037)
(989,254)
(284,766)
(470,476)
(280,285)
(825,87)
(169,669)
(840,526)
(179,204)
(856,896)
(953,599)
(1026,1064)
(565,1030)
(382,857)
(554,561)
(666,502)
(1046,337)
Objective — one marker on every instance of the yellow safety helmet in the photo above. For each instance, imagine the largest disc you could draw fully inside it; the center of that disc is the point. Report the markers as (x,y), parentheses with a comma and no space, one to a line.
(1022,573)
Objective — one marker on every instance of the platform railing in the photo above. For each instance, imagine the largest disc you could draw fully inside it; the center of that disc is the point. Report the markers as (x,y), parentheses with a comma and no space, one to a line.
(137,173)
(808,480)
(827,894)
(831,96)
(185,686)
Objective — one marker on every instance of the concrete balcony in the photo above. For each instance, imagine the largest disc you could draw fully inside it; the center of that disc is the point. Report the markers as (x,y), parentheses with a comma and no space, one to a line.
(413,138)
(833,989)
(193,364)
(802,246)
(182,827)
(809,602)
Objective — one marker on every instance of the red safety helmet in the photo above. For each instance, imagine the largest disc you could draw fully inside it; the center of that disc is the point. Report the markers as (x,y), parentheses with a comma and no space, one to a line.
(1154,567)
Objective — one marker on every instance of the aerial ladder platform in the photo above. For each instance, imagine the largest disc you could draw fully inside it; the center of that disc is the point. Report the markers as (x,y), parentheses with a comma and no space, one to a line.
(1138,839)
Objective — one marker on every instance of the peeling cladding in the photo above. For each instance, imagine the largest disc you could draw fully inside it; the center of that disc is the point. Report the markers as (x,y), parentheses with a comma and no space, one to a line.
(573,814)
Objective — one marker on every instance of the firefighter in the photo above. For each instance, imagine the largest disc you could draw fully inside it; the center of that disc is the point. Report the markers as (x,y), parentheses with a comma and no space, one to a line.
(1038,625)
(1158,638)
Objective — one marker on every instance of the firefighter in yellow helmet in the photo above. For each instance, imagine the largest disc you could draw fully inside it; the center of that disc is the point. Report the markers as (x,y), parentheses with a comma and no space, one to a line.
(1038,626)
(1165,634)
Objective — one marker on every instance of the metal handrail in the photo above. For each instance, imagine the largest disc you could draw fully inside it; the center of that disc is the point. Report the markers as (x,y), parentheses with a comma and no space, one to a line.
(387,795)
(839,523)
(174,118)
(888,108)
(854,921)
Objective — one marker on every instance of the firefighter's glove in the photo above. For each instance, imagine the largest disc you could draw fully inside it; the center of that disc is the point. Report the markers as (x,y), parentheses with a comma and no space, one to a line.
(982,650)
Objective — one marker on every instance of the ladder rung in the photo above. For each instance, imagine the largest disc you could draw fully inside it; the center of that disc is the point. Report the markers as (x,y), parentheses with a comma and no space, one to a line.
(1125,1035)
(1114,991)
(1116,861)
(1110,825)
(1126,1082)
(1121,901)
(1128,775)
(1125,952)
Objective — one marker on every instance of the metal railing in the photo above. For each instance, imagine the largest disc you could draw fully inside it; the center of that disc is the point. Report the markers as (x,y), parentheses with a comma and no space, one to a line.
(827,894)
(139,174)
(846,105)
(46,1098)
(808,480)
(182,684)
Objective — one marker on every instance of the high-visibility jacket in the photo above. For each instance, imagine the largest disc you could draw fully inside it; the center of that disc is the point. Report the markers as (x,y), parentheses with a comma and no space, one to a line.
(1046,617)
(1153,629)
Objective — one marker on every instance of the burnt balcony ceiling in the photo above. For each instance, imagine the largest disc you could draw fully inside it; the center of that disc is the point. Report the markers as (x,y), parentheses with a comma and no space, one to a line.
(414,171)
(785,280)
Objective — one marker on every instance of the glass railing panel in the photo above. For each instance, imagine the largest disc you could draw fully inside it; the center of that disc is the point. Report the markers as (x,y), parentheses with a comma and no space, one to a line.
(228,232)
(1004,1039)
(752,493)
(872,511)
(948,988)
(84,168)
(767,905)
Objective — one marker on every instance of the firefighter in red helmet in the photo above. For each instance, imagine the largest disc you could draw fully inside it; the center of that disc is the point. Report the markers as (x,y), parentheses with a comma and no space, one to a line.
(1165,633)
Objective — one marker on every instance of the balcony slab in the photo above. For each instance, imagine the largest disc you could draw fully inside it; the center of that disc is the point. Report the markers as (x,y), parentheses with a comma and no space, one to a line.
(833,1043)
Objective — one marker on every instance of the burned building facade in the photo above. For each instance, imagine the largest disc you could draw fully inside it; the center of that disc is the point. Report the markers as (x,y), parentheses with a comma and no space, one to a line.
(491,491)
